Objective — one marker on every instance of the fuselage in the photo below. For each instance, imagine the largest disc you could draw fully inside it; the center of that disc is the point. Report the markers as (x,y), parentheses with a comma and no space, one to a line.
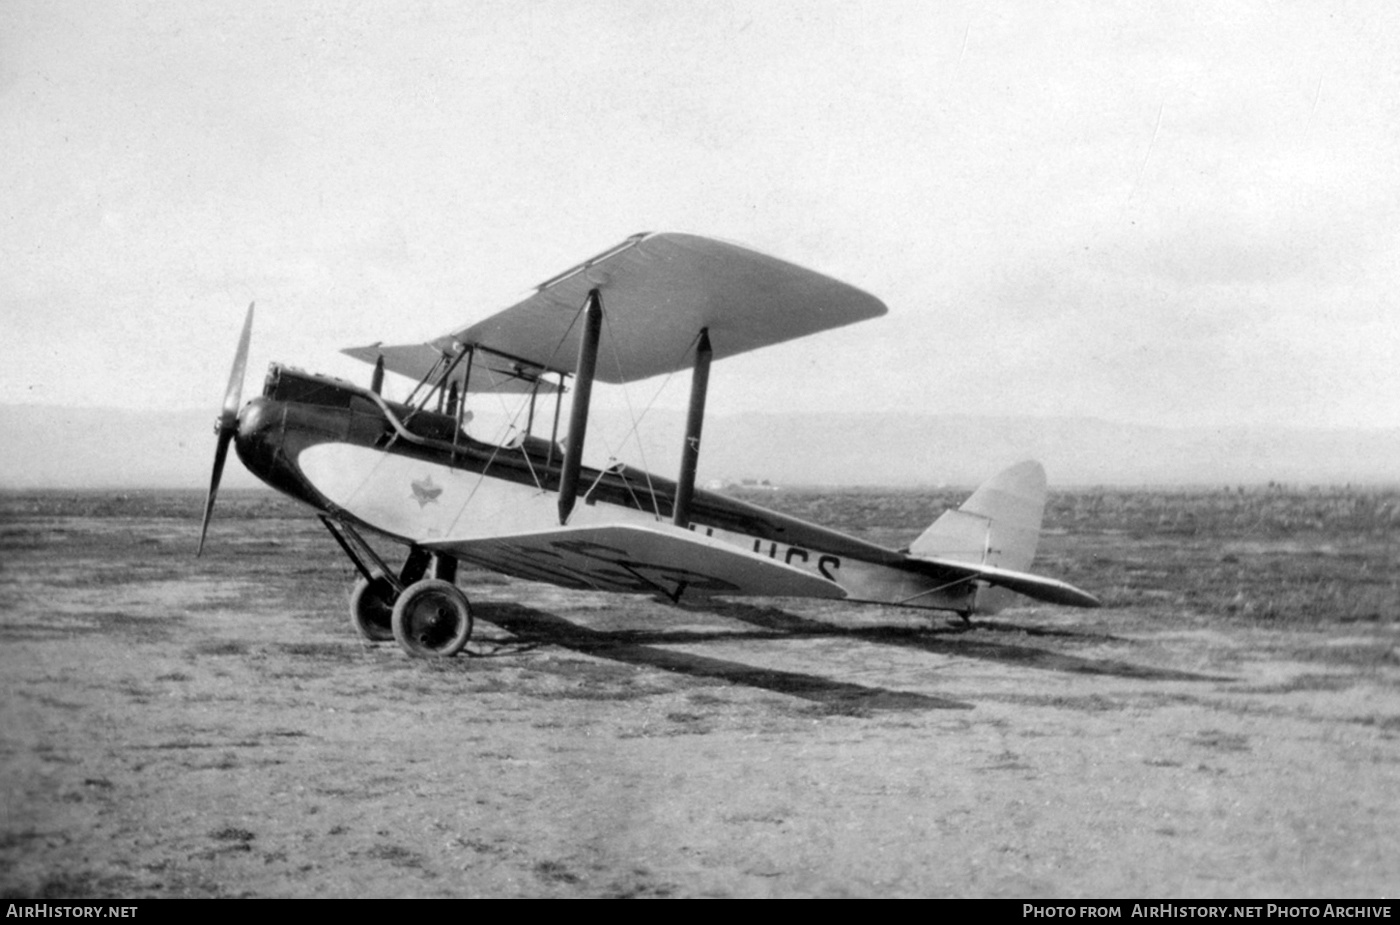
(415,476)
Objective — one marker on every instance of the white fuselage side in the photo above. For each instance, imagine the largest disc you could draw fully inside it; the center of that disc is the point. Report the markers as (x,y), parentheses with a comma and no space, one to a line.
(425,502)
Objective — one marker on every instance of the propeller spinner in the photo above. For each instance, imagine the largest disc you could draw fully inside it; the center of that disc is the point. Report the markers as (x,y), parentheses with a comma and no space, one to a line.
(227,425)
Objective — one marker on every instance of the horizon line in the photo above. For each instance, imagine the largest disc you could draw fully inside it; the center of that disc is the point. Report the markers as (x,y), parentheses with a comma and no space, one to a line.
(989,416)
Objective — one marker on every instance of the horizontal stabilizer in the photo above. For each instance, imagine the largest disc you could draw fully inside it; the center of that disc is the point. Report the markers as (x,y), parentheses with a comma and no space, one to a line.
(658,292)
(652,559)
(1049,590)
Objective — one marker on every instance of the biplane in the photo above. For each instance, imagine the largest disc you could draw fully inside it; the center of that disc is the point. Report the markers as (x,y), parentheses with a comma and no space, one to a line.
(413,472)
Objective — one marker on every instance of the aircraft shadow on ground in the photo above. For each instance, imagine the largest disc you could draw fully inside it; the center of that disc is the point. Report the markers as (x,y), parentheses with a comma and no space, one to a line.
(954,640)
(534,627)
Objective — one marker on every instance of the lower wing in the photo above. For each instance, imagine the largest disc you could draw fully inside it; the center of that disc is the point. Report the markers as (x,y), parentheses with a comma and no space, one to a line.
(658,559)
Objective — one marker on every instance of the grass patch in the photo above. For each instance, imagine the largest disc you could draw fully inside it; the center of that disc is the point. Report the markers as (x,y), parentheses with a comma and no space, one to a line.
(1221,741)
(585,679)
(1087,703)
(49,700)
(555,872)
(134,627)
(841,706)
(80,884)
(638,884)
(1358,654)
(398,856)
(1306,682)
(181,744)
(707,699)
(593,692)
(220,647)
(331,651)
(1386,723)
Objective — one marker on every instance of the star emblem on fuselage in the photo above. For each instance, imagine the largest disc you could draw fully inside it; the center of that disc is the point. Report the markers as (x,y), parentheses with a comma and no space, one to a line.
(425,492)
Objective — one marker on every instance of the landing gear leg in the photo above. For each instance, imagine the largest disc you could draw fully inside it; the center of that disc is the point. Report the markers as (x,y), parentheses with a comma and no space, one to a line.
(445,568)
(429,617)
(372,599)
(376,593)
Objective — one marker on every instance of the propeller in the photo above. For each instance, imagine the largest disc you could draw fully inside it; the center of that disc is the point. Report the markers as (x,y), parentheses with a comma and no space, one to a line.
(227,425)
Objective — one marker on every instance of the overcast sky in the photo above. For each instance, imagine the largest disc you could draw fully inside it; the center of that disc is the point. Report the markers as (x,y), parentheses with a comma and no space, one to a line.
(1175,213)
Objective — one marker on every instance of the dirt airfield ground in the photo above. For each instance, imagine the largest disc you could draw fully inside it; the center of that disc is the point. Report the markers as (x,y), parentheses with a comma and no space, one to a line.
(1229,726)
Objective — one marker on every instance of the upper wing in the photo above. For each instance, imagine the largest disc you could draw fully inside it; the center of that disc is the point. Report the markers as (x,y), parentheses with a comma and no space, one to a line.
(654,559)
(658,291)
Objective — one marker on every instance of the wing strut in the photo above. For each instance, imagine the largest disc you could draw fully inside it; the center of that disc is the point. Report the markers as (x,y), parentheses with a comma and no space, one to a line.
(694,421)
(583,391)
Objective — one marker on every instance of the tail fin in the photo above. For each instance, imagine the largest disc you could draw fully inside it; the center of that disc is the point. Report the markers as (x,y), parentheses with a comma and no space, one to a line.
(998,526)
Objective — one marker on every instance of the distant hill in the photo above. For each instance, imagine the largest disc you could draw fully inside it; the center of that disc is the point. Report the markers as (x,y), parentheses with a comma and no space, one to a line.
(45,447)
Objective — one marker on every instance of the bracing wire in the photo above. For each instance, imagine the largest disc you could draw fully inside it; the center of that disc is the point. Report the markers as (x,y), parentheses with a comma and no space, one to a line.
(632,415)
(634,432)
(512,427)
(516,416)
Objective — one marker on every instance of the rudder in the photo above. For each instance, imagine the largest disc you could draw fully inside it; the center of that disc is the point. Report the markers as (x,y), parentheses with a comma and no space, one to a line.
(998,525)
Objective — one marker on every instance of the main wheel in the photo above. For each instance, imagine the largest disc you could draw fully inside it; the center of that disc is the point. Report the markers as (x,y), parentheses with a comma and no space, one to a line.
(372,608)
(432,619)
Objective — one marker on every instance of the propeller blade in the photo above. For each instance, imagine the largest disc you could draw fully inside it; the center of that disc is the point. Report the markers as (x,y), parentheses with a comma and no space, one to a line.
(227,427)
(220,455)
(234,393)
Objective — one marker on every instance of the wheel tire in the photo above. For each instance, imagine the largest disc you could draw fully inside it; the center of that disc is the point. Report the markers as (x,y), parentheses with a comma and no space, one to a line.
(372,609)
(432,619)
